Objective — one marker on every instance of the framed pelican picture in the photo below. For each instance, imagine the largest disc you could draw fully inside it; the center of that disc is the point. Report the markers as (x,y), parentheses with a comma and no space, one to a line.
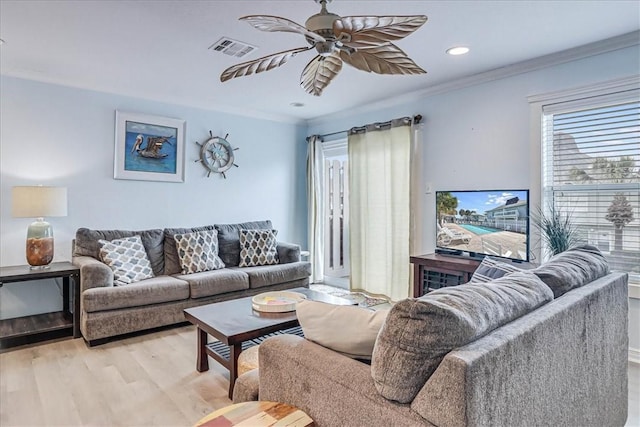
(149,148)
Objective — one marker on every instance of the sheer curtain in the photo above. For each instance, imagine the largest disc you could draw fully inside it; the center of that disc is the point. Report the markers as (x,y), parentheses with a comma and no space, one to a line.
(315,212)
(379,185)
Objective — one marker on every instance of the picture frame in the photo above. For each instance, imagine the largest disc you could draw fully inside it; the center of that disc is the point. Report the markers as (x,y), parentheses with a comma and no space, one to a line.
(149,148)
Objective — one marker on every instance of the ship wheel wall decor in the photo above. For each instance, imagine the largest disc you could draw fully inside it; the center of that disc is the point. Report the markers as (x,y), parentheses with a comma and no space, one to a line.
(362,42)
(216,155)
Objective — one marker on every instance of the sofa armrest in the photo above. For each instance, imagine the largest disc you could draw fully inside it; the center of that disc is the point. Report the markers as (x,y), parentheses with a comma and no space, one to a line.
(93,273)
(331,388)
(564,363)
(288,252)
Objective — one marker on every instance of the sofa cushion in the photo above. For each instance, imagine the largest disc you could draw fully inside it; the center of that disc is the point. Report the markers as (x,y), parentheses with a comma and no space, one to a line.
(418,333)
(151,291)
(491,268)
(215,282)
(266,275)
(171,259)
(198,251)
(572,269)
(127,259)
(229,239)
(350,330)
(86,244)
(258,247)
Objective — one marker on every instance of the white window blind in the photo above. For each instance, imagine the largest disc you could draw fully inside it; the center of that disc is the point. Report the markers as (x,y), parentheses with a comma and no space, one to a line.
(591,171)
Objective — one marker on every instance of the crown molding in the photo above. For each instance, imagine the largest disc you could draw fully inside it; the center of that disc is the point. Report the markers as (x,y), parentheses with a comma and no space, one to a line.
(557,58)
(219,108)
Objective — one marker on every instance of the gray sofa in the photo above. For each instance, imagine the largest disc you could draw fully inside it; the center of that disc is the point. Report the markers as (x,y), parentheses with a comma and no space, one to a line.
(564,362)
(108,310)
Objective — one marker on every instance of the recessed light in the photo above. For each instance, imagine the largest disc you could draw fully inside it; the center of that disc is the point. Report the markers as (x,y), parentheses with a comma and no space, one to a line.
(297,104)
(458,50)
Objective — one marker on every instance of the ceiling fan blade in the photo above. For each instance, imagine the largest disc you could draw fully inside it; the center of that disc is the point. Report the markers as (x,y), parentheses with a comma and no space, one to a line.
(368,31)
(319,72)
(259,65)
(276,23)
(385,59)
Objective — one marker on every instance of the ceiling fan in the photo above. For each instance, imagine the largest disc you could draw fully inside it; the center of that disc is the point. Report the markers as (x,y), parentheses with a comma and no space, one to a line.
(364,42)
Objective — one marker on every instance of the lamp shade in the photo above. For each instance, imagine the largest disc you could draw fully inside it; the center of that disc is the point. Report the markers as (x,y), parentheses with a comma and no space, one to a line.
(39,201)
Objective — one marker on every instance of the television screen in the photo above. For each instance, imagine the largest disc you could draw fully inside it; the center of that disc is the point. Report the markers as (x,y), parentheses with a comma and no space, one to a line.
(494,223)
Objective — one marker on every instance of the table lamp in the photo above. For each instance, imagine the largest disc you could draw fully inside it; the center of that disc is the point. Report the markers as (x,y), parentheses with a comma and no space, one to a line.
(39,202)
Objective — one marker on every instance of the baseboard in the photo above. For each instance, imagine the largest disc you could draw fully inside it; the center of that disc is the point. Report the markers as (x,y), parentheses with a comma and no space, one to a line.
(634,355)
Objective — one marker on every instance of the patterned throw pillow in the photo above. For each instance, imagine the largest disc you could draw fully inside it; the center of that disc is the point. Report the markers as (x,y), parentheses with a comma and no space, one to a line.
(127,258)
(198,251)
(490,269)
(258,247)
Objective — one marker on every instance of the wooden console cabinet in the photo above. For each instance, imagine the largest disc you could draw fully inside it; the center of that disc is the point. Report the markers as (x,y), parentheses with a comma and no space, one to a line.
(434,271)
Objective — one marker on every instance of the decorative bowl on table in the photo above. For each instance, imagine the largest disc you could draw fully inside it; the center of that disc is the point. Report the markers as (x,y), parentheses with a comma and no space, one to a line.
(276,301)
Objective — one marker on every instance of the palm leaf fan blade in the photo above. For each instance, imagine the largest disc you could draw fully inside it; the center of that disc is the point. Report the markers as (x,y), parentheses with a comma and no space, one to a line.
(319,72)
(278,24)
(368,31)
(386,59)
(260,65)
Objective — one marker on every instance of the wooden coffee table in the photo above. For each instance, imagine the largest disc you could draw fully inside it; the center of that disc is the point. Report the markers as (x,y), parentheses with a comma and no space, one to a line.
(237,326)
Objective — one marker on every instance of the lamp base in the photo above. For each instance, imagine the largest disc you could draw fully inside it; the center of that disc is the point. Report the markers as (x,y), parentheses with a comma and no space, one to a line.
(39,244)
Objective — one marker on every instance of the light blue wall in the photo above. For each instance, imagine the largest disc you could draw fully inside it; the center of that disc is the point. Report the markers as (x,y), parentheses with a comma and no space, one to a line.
(62,136)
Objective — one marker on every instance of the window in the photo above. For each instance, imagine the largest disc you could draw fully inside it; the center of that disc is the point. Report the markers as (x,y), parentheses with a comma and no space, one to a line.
(591,170)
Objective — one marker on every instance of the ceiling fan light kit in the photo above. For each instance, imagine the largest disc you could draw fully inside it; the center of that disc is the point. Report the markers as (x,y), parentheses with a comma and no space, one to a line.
(363,42)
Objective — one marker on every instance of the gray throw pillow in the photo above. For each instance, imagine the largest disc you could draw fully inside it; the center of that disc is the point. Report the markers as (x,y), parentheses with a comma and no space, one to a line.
(491,268)
(86,244)
(198,251)
(229,239)
(127,259)
(572,269)
(418,333)
(172,263)
(258,247)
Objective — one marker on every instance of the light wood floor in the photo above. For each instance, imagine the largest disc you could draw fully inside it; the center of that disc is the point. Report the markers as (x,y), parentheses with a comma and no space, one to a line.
(140,381)
(144,380)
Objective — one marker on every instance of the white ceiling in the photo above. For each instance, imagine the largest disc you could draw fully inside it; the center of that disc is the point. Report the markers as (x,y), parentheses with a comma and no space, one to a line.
(159,49)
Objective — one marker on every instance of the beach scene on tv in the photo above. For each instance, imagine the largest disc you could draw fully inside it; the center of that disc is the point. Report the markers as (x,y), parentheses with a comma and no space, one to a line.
(485,222)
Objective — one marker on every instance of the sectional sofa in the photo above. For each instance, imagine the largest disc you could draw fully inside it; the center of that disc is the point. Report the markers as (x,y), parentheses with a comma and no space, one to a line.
(546,347)
(108,310)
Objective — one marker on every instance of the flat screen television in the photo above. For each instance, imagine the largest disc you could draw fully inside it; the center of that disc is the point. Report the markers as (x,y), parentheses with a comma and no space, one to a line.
(478,223)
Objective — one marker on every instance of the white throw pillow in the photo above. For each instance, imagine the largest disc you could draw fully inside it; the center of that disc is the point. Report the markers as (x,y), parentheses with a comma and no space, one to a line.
(127,258)
(347,329)
(258,247)
(198,251)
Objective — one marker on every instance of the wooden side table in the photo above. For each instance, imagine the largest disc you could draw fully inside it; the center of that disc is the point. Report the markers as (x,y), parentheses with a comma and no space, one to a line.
(257,414)
(23,329)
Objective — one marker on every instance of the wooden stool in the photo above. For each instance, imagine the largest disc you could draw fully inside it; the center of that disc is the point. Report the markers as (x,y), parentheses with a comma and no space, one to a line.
(257,414)
(248,360)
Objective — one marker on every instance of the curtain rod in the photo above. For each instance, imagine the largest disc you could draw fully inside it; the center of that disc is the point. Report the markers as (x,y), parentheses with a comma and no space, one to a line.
(416,120)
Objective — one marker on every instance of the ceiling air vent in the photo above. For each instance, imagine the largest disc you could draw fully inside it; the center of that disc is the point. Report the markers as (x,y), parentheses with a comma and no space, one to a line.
(232,47)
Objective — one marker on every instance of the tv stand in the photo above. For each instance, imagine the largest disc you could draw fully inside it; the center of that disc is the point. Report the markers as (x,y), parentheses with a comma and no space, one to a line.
(434,271)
